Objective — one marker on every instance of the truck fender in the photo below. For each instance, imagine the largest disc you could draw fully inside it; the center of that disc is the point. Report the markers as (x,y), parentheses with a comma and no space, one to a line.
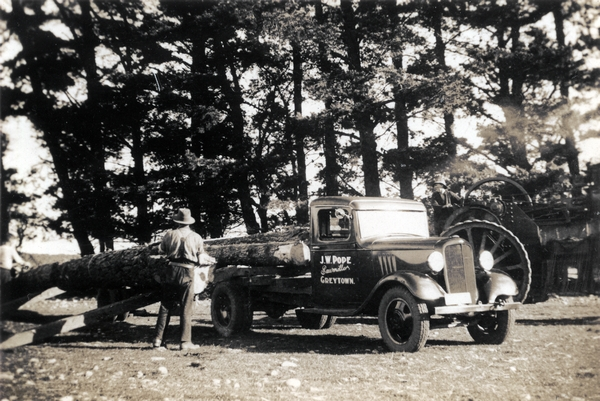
(497,283)
(420,285)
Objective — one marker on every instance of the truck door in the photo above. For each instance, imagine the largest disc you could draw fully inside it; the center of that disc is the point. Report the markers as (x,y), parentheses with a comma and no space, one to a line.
(335,271)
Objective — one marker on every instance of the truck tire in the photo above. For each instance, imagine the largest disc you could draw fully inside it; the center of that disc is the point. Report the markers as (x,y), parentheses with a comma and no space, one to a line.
(493,328)
(314,321)
(403,322)
(230,310)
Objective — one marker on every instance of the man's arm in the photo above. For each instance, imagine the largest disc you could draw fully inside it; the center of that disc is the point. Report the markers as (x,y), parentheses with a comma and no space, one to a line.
(17,258)
(455,198)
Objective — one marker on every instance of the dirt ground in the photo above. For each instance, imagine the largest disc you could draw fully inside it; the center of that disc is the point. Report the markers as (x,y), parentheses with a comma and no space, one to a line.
(554,354)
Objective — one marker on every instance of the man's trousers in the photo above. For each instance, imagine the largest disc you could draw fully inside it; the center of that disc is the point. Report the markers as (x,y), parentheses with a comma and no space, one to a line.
(177,292)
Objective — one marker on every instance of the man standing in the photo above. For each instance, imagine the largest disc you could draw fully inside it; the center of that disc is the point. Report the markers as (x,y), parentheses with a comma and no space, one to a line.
(183,248)
(442,201)
(8,269)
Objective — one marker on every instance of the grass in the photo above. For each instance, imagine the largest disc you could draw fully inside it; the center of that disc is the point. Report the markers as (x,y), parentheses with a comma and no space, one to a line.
(553,354)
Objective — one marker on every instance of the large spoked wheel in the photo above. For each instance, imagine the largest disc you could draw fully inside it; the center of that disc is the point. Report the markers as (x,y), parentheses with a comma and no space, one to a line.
(471,213)
(403,322)
(230,310)
(493,328)
(314,321)
(509,253)
(518,194)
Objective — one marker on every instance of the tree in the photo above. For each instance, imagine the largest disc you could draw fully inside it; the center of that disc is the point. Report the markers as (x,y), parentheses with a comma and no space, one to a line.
(43,66)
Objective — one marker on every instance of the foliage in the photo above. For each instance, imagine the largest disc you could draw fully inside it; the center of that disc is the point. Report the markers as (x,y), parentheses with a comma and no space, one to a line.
(148,107)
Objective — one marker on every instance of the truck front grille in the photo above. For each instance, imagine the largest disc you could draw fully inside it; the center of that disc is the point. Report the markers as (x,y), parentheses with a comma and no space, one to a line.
(460,270)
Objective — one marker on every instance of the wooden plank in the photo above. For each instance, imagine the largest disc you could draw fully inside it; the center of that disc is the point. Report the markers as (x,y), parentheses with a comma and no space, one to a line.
(32,298)
(78,321)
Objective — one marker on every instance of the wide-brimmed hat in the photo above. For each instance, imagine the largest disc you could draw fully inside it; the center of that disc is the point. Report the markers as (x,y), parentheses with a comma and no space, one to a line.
(184,216)
(441,181)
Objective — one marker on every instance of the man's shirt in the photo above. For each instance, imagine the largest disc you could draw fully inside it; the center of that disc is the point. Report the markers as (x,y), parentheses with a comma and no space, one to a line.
(8,254)
(182,245)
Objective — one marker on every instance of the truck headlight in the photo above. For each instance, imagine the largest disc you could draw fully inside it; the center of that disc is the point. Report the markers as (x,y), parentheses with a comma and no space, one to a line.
(436,261)
(486,260)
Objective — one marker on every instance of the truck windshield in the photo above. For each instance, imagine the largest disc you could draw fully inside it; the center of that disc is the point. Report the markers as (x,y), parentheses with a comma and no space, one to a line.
(392,222)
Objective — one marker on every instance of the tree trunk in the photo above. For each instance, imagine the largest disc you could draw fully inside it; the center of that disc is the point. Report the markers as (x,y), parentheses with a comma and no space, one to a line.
(102,225)
(51,129)
(327,130)
(510,97)
(404,171)
(136,268)
(571,152)
(117,269)
(238,141)
(361,114)
(205,143)
(299,134)
(440,55)
(284,254)
(4,214)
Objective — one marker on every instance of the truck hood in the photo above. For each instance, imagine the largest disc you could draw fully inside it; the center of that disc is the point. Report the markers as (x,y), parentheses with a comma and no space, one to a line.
(404,243)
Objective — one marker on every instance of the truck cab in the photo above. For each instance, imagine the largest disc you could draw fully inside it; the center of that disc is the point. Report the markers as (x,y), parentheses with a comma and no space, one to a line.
(349,239)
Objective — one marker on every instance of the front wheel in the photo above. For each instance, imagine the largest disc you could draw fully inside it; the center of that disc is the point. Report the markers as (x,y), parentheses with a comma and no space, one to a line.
(230,310)
(403,322)
(493,328)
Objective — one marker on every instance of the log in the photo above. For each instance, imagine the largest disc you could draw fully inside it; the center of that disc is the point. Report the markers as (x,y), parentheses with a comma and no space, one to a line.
(117,269)
(12,306)
(266,254)
(286,234)
(75,322)
(137,268)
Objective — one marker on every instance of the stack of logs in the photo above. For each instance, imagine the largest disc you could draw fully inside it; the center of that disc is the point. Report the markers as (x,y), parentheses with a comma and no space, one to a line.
(137,267)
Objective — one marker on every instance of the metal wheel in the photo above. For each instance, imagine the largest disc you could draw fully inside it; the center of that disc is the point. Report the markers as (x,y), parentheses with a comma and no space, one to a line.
(471,213)
(403,322)
(521,192)
(230,310)
(509,253)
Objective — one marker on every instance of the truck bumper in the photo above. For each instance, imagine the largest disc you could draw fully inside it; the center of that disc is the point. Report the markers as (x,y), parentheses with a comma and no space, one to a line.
(457,309)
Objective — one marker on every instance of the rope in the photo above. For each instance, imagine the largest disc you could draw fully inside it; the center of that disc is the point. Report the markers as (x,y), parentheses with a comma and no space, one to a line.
(90,262)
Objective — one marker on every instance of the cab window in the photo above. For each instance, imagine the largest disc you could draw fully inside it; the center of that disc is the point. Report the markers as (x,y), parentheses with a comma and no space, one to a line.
(334,224)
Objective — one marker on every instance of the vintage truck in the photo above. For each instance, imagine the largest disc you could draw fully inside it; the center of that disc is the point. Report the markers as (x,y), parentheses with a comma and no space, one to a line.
(374,257)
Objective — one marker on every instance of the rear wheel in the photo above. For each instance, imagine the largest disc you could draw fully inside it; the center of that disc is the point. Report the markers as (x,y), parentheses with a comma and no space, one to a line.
(493,328)
(403,322)
(314,321)
(230,310)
